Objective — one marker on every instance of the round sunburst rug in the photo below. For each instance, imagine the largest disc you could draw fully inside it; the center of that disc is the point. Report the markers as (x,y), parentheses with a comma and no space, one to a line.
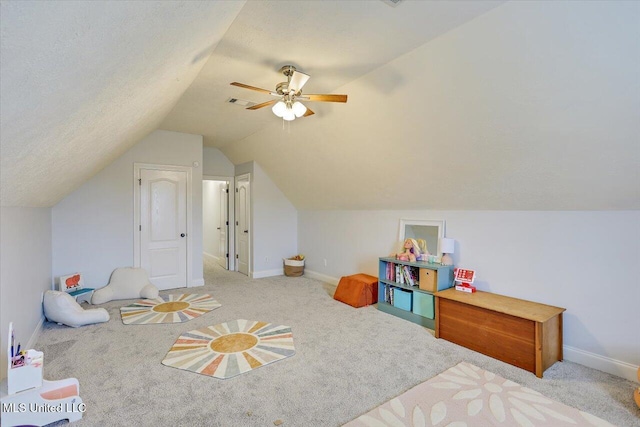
(231,348)
(168,309)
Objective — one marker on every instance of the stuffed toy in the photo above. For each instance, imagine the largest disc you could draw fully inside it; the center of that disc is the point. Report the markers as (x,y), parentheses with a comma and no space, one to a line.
(126,283)
(411,251)
(422,244)
(62,308)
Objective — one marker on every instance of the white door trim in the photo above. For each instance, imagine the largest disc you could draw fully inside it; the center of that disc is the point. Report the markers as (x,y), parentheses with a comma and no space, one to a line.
(231,234)
(137,167)
(250,239)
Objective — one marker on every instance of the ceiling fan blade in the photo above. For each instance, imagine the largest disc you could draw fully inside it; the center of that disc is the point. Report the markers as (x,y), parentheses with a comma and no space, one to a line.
(308,113)
(325,98)
(264,104)
(257,89)
(298,80)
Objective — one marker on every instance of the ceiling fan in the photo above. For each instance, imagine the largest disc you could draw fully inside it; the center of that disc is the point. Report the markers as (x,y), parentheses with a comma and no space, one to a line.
(289,94)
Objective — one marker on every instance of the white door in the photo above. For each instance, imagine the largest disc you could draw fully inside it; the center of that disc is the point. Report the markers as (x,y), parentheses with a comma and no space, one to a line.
(242,224)
(223,259)
(163,227)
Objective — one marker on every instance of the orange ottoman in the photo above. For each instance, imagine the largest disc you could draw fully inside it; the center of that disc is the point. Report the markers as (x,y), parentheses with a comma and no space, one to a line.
(357,290)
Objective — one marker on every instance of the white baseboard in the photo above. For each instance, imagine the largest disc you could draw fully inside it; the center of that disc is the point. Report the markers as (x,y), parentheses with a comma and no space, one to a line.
(197,282)
(36,333)
(322,277)
(267,273)
(209,257)
(602,363)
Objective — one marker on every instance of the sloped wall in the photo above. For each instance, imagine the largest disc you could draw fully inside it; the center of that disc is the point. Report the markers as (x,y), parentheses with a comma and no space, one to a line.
(273,221)
(215,163)
(531,106)
(275,224)
(93,226)
(84,81)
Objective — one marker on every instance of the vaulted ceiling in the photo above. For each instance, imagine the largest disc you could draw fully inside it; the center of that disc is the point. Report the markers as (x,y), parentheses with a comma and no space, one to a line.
(452,105)
(335,42)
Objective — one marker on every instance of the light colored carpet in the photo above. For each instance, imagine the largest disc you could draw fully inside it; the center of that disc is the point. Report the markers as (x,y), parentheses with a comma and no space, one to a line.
(348,361)
(466,395)
(231,348)
(170,308)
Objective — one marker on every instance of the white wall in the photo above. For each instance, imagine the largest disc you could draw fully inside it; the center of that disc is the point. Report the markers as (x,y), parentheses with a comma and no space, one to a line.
(273,221)
(211,218)
(215,163)
(93,226)
(585,262)
(275,225)
(25,273)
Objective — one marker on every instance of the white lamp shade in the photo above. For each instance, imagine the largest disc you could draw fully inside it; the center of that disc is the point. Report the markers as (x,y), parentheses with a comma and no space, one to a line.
(289,115)
(279,108)
(447,245)
(298,109)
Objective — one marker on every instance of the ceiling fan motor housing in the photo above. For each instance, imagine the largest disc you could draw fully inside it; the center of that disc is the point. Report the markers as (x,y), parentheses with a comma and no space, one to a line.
(288,70)
(282,88)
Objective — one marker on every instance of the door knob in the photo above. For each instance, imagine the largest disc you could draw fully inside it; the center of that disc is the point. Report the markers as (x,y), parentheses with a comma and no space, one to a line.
(246,231)
(218,228)
(182,235)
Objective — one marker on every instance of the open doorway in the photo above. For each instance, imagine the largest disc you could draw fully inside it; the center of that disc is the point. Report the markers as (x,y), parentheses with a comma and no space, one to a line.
(217,213)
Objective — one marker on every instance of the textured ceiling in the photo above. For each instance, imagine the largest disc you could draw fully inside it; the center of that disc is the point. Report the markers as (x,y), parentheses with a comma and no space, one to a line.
(531,106)
(83,81)
(333,41)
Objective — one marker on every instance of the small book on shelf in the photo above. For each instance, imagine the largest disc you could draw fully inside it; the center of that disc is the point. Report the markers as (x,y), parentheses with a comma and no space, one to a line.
(408,276)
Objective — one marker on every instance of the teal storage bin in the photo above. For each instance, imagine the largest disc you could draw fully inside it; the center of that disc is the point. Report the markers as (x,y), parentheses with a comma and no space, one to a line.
(402,299)
(423,305)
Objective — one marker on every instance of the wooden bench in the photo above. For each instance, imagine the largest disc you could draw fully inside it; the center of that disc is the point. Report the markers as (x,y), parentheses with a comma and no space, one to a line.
(522,333)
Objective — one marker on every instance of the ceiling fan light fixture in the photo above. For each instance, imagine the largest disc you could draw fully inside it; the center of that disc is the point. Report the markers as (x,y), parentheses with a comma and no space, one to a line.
(279,108)
(289,115)
(298,109)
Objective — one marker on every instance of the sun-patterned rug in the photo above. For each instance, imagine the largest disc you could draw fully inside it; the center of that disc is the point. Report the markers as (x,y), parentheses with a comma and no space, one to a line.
(466,395)
(168,309)
(232,348)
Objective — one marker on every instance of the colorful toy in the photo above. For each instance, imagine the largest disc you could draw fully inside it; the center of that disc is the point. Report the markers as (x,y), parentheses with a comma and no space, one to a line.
(422,244)
(27,399)
(464,279)
(411,251)
(74,286)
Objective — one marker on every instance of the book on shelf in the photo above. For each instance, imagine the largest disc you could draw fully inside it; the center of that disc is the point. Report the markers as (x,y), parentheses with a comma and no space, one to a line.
(412,275)
(388,294)
(402,274)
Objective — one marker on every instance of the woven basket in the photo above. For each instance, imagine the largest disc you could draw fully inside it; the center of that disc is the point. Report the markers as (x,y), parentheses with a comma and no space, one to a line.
(293,271)
(293,268)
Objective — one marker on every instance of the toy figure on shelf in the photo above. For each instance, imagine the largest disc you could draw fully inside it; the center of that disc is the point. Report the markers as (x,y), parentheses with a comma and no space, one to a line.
(411,251)
(424,252)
